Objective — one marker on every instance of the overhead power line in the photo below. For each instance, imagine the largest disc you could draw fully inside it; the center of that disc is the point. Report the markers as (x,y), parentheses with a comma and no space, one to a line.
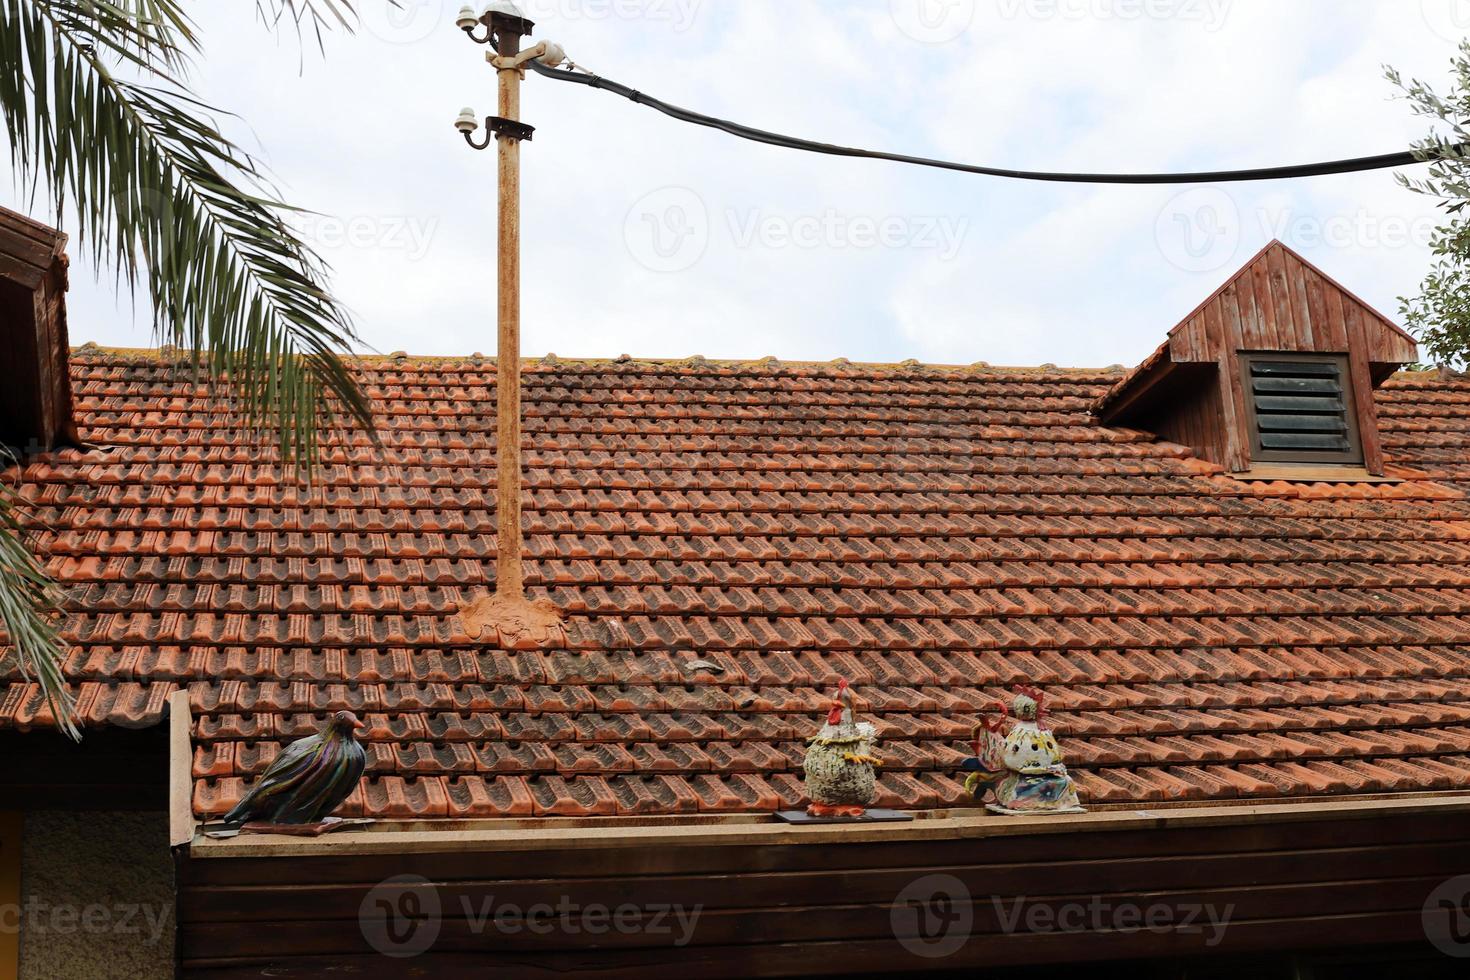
(1358,165)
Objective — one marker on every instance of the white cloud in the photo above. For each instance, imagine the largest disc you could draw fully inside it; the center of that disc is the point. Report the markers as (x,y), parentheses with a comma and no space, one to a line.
(1043,273)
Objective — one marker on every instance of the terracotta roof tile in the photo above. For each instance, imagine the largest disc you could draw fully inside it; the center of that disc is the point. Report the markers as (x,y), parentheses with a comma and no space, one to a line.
(727,542)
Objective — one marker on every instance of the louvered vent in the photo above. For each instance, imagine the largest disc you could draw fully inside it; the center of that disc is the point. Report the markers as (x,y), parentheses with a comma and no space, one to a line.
(1301,409)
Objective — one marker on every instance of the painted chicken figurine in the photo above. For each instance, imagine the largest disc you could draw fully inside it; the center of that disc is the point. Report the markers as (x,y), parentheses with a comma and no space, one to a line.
(1018,760)
(840,767)
(309,780)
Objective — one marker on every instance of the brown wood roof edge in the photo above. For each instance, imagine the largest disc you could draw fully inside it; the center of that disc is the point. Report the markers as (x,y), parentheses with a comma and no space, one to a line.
(758,830)
(20,224)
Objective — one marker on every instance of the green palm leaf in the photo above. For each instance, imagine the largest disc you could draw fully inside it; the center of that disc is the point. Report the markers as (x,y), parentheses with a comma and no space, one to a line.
(30,604)
(96,113)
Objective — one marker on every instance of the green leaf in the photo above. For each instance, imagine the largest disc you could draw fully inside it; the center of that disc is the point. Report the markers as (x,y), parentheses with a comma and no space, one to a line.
(1440,315)
(30,607)
(97,111)
(176,208)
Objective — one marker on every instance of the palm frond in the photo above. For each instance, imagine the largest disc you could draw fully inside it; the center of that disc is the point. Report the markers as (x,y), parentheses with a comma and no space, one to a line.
(163,196)
(30,604)
(321,16)
(177,209)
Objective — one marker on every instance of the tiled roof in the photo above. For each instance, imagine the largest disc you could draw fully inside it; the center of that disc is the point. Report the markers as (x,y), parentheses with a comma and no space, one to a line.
(726,542)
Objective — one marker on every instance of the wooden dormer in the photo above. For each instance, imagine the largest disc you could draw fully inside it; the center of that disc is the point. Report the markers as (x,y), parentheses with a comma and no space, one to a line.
(1274,372)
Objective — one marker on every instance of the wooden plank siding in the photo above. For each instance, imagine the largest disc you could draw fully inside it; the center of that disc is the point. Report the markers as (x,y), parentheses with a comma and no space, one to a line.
(829,909)
(1278,302)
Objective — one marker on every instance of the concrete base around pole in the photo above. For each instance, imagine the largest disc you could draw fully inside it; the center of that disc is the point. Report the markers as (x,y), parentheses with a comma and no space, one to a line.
(515,623)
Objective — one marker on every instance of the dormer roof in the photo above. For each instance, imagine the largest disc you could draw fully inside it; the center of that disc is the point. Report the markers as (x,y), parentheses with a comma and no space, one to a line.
(1197,389)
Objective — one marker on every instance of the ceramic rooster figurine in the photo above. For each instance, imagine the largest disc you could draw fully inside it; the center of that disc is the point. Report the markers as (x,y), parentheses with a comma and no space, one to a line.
(1019,761)
(839,765)
(307,781)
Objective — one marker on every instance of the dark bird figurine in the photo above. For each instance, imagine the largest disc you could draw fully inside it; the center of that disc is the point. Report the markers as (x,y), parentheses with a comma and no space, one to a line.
(309,780)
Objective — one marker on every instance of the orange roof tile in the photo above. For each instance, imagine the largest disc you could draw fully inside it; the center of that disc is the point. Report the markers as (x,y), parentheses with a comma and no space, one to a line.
(934,535)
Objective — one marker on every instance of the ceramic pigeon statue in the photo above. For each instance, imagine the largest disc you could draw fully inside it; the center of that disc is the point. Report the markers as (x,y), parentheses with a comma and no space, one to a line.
(309,780)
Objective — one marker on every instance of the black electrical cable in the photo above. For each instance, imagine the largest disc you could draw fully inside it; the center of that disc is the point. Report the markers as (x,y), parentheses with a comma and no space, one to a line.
(1359,165)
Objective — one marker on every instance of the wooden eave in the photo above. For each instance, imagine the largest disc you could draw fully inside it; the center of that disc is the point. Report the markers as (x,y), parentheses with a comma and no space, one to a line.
(29,250)
(761,830)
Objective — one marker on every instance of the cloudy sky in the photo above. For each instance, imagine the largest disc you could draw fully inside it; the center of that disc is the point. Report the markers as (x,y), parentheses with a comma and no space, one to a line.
(657,239)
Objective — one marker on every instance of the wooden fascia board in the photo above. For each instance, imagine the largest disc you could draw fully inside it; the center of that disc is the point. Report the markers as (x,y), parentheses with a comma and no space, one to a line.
(181,821)
(756,830)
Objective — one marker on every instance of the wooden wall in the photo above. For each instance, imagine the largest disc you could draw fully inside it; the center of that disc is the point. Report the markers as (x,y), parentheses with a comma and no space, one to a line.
(1195,416)
(828,909)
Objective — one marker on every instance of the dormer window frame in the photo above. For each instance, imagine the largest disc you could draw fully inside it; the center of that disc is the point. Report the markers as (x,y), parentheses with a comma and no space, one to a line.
(1352,455)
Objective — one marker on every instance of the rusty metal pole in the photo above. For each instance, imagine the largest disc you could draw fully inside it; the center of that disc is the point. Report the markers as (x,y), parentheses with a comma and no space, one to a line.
(507,617)
(508,574)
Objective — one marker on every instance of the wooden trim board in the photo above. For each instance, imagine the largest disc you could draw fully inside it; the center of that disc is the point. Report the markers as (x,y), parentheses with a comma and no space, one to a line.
(180,771)
(524,835)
